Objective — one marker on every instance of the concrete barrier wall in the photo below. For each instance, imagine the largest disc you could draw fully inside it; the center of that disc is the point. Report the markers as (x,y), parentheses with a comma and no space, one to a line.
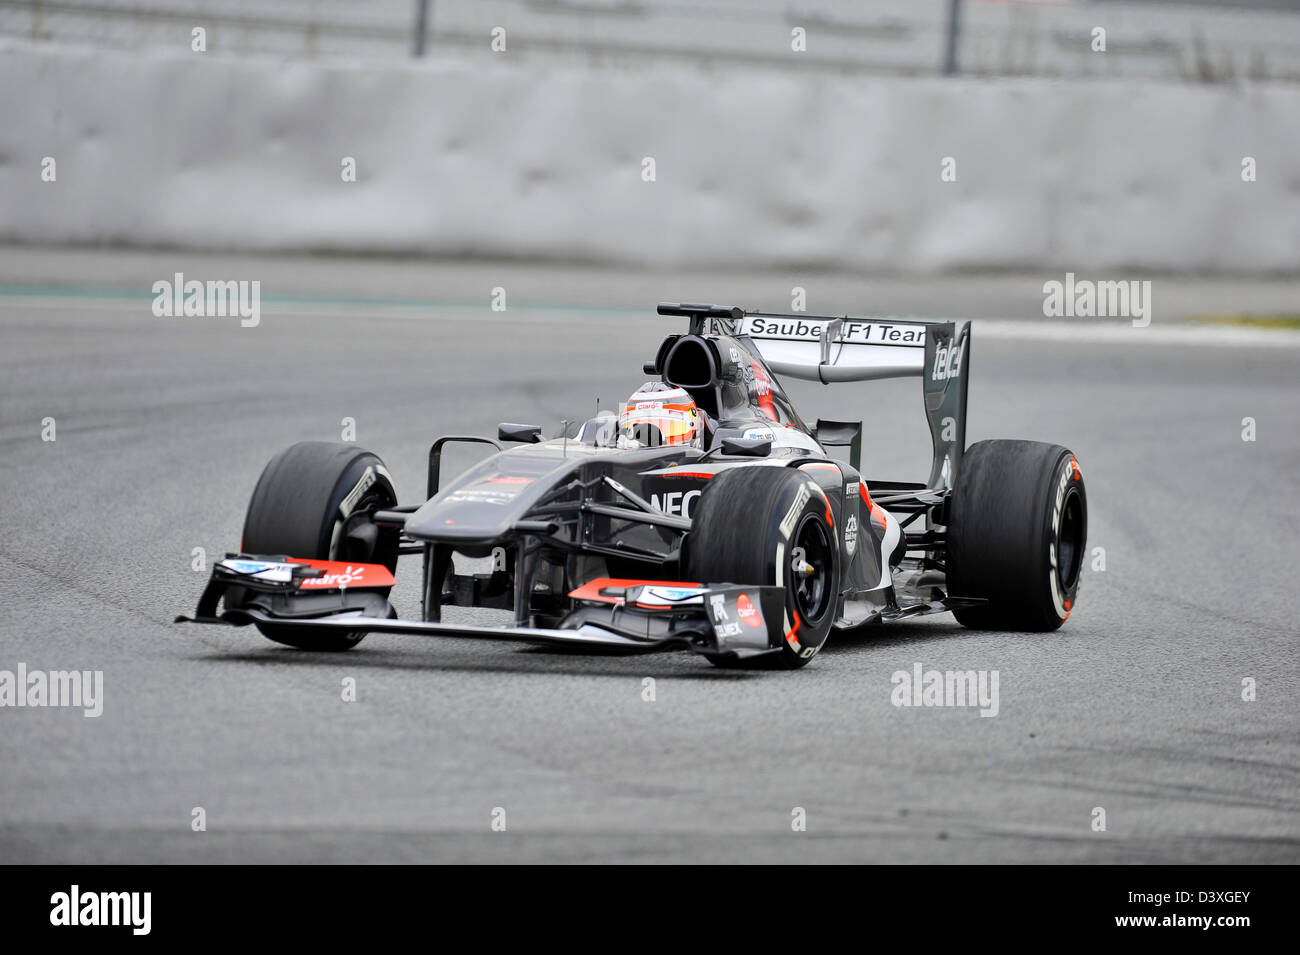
(817,171)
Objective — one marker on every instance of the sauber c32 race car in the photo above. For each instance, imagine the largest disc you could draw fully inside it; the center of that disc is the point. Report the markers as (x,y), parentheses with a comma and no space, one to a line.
(707,516)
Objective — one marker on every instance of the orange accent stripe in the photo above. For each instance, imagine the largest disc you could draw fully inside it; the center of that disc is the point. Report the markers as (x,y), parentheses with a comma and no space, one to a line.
(375,575)
(591,590)
(790,634)
(877,513)
(825,497)
(765,402)
(695,474)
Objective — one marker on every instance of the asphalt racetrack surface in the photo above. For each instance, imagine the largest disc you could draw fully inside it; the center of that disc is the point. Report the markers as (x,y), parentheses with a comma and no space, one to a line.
(162,427)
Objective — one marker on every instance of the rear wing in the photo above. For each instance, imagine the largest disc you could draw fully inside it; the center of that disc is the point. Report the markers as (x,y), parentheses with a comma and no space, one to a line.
(839,349)
(831,350)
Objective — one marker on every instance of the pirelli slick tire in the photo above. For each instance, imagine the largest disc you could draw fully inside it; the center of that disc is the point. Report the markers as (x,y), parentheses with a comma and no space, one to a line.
(771,526)
(1017,528)
(314,499)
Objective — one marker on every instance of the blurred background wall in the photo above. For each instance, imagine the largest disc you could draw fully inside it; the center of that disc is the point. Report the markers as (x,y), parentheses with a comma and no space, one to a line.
(828,156)
(1187,40)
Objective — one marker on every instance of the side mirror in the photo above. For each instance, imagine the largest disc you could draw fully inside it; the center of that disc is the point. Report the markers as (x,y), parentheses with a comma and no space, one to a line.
(525,433)
(746,447)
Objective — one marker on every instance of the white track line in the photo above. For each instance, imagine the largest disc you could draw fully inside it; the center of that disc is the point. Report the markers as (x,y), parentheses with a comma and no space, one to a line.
(1079,331)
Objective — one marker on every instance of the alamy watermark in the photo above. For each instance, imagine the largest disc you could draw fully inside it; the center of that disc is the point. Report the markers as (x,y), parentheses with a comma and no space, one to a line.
(212,299)
(75,907)
(72,688)
(922,687)
(1084,298)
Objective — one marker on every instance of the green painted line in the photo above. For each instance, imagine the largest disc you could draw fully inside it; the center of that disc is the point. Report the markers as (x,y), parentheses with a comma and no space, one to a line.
(55,291)
(1255,321)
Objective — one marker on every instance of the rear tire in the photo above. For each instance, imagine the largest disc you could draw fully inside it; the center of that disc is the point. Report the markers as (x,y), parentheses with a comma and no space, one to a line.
(1017,526)
(313,500)
(737,537)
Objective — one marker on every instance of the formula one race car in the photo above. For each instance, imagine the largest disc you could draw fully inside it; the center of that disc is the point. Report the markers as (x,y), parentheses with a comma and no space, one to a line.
(706,515)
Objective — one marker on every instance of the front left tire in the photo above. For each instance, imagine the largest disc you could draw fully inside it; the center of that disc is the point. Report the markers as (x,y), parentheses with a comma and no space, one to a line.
(314,500)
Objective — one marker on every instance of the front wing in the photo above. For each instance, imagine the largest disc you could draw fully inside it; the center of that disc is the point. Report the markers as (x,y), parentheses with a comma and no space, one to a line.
(618,616)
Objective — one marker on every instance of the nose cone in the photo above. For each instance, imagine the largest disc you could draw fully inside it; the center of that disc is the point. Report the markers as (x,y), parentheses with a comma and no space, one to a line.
(482,503)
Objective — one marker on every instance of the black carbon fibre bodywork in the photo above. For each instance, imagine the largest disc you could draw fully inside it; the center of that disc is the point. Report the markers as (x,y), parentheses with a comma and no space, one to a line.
(531,526)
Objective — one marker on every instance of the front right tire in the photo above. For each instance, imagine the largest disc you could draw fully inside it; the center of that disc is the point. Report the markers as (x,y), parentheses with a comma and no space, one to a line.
(771,526)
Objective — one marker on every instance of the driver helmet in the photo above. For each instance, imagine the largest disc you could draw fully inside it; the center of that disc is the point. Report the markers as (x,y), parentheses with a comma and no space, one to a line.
(658,414)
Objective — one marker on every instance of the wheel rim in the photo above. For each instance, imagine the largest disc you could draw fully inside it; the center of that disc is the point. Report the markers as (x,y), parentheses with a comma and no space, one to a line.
(1069,541)
(358,547)
(811,568)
